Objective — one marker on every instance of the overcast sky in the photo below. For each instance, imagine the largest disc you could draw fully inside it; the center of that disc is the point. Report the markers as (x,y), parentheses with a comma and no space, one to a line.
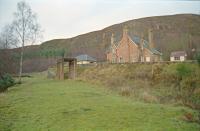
(68,18)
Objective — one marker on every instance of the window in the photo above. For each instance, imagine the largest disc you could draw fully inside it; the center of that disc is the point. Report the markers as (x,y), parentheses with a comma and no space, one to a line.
(120,59)
(176,58)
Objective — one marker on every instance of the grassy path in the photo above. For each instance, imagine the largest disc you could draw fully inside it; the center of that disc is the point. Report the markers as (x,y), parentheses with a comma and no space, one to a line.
(41,104)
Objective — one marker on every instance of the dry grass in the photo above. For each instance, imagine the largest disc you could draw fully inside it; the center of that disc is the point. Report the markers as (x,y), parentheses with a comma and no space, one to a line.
(149,98)
(45,104)
(150,83)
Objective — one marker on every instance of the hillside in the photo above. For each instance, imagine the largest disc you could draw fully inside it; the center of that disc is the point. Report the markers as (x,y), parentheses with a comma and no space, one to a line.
(173,32)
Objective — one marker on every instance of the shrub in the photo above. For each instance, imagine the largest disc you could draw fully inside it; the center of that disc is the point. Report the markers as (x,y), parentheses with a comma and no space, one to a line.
(143,72)
(5,82)
(188,81)
(198,58)
(189,90)
(164,83)
(188,117)
(156,73)
(168,74)
(183,70)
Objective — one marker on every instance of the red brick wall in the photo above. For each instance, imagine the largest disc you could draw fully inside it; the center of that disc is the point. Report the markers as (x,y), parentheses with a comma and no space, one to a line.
(128,51)
(153,57)
(109,56)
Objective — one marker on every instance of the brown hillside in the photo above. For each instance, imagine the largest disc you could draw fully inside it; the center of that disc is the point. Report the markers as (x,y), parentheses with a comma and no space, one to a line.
(173,32)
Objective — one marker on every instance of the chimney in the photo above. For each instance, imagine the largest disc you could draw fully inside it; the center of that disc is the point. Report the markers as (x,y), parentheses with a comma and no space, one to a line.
(141,52)
(150,35)
(142,41)
(112,39)
(125,31)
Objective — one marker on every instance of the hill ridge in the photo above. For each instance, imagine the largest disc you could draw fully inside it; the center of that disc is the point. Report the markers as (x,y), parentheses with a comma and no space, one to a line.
(171,32)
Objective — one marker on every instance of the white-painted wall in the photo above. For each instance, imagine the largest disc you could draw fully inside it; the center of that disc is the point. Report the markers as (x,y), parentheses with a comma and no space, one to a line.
(171,58)
(147,59)
(83,62)
(182,58)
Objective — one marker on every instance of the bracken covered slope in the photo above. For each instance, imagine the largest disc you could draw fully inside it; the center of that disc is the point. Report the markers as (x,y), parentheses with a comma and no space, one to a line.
(171,33)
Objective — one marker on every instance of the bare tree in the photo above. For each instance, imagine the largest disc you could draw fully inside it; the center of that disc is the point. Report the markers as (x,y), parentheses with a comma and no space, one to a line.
(7,38)
(26,28)
(7,41)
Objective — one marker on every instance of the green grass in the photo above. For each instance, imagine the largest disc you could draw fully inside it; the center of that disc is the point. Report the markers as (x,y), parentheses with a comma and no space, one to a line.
(42,104)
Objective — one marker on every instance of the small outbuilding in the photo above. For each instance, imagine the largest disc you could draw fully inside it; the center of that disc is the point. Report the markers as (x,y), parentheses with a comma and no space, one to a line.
(72,68)
(85,59)
(178,56)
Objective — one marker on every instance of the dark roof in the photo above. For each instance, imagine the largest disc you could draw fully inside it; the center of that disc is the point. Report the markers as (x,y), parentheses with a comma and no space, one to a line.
(85,57)
(178,53)
(137,40)
(69,59)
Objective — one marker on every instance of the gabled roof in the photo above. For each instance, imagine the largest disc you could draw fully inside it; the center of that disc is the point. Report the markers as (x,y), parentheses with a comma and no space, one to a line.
(178,53)
(85,57)
(137,41)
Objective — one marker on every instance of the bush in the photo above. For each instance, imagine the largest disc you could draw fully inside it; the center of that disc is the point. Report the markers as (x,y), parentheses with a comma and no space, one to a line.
(143,72)
(164,83)
(183,70)
(198,58)
(5,82)
(188,81)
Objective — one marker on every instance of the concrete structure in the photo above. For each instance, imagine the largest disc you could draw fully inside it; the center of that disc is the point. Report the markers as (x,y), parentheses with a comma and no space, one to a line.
(85,59)
(133,49)
(178,56)
(72,68)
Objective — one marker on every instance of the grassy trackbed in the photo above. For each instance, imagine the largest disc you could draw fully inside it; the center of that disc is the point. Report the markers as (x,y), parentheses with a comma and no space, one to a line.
(42,104)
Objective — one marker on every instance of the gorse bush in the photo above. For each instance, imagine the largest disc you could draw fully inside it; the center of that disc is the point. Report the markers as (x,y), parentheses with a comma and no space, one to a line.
(5,82)
(184,78)
(189,85)
(183,70)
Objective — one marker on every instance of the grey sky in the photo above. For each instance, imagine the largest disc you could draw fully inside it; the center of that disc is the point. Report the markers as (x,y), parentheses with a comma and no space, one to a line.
(68,18)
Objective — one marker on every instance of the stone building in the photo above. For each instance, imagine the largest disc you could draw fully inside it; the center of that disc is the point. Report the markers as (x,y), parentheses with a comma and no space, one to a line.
(178,56)
(133,49)
(85,59)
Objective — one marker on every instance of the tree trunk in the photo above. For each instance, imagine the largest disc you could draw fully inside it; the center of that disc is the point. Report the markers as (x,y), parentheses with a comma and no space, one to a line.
(21,63)
(21,56)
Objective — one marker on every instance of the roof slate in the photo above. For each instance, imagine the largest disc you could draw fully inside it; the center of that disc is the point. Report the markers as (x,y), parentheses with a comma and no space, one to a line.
(137,40)
(85,57)
(178,53)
